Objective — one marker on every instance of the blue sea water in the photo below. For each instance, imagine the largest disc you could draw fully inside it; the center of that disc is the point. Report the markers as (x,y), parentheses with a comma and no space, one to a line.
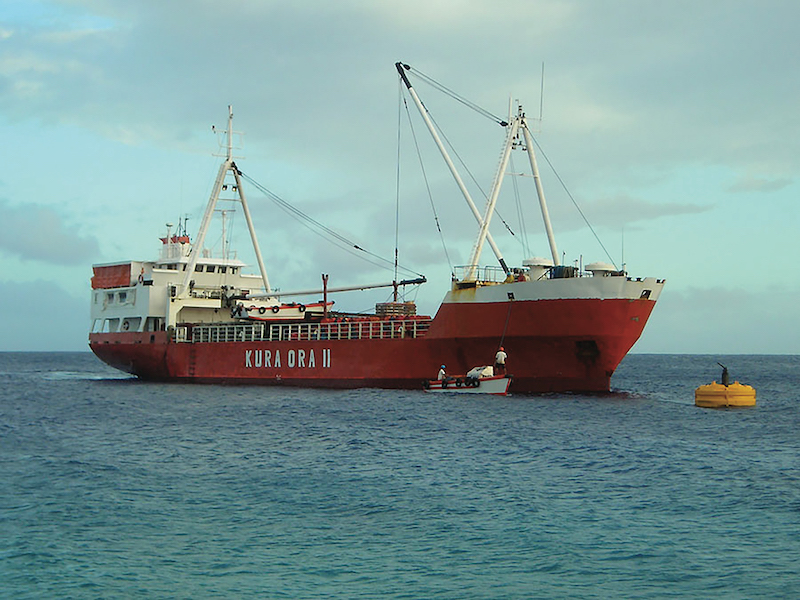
(113,488)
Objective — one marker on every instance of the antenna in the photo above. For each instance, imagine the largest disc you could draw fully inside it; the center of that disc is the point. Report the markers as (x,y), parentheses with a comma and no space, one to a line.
(230,131)
(225,137)
(541,94)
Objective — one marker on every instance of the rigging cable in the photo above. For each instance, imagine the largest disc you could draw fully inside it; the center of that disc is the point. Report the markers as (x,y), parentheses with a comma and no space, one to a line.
(432,82)
(443,135)
(397,195)
(569,194)
(428,187)
(468,103)
(321,230)
(520,212)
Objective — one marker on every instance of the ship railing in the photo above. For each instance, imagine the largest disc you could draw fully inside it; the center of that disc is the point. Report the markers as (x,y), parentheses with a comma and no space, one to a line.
(495,274)
(212,292)
(394,329)
(485,274)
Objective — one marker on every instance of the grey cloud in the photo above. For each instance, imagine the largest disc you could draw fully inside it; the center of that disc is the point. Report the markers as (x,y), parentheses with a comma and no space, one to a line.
(71,315)
(724,320)
(35,232)
(662,81)
(627,210)
(759,184)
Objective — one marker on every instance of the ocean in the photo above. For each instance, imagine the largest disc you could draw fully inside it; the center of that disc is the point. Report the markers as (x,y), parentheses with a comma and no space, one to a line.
(114,488)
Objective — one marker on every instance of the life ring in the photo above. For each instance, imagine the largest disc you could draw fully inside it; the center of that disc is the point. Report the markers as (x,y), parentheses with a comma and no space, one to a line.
(301,308)
(276,309)
(262,310)
(459,383)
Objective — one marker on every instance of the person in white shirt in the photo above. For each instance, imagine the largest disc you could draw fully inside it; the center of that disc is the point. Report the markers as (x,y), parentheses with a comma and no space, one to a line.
(442,374)
(500,362)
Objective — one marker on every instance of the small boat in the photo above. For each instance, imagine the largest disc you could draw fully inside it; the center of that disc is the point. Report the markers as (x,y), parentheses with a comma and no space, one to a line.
(480,380)
(280,311)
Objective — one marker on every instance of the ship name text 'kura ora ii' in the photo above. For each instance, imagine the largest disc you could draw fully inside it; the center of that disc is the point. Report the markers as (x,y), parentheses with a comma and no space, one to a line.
(192,316)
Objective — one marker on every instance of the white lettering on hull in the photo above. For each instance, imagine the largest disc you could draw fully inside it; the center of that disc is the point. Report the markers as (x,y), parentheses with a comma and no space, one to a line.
(295,359)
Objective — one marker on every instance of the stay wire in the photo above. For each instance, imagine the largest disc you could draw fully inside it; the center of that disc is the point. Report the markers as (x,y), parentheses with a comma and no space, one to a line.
(427,186)
(435,84)
(468,103)
(520,211)
(323,231)
(397,189)
(575,202)
(443,135)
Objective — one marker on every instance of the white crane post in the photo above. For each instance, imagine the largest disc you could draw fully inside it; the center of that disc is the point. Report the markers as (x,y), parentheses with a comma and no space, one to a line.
(540,192)
(226,166)
(498,182)
(249,220)
(201,234)
(476,213)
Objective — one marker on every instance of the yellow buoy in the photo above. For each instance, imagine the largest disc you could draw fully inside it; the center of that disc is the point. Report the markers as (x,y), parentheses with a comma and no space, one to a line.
(716,395)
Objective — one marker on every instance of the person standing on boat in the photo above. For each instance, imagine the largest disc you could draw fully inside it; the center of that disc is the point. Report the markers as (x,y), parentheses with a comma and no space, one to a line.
(500,362)
(442,374)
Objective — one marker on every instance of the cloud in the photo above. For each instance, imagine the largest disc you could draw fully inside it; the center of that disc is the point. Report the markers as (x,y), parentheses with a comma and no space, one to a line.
(670,86)
(724,320)
(68,319)
(35,232)
(759,184)
(650,111)
(625,210)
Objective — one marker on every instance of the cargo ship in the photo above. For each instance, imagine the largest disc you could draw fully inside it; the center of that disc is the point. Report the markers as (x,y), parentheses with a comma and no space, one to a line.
(192,316)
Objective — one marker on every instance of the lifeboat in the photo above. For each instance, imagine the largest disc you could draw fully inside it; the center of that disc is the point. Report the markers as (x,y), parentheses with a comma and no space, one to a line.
(717,395)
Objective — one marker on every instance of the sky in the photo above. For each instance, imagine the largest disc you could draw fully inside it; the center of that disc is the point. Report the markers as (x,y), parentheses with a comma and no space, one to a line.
(673,125)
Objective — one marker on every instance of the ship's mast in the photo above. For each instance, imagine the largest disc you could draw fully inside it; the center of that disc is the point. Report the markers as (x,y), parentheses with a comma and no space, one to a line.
(227,166)
(513,126)
(518,122)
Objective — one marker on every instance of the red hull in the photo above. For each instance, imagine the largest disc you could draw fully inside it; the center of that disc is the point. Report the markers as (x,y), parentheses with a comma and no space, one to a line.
(552,345)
